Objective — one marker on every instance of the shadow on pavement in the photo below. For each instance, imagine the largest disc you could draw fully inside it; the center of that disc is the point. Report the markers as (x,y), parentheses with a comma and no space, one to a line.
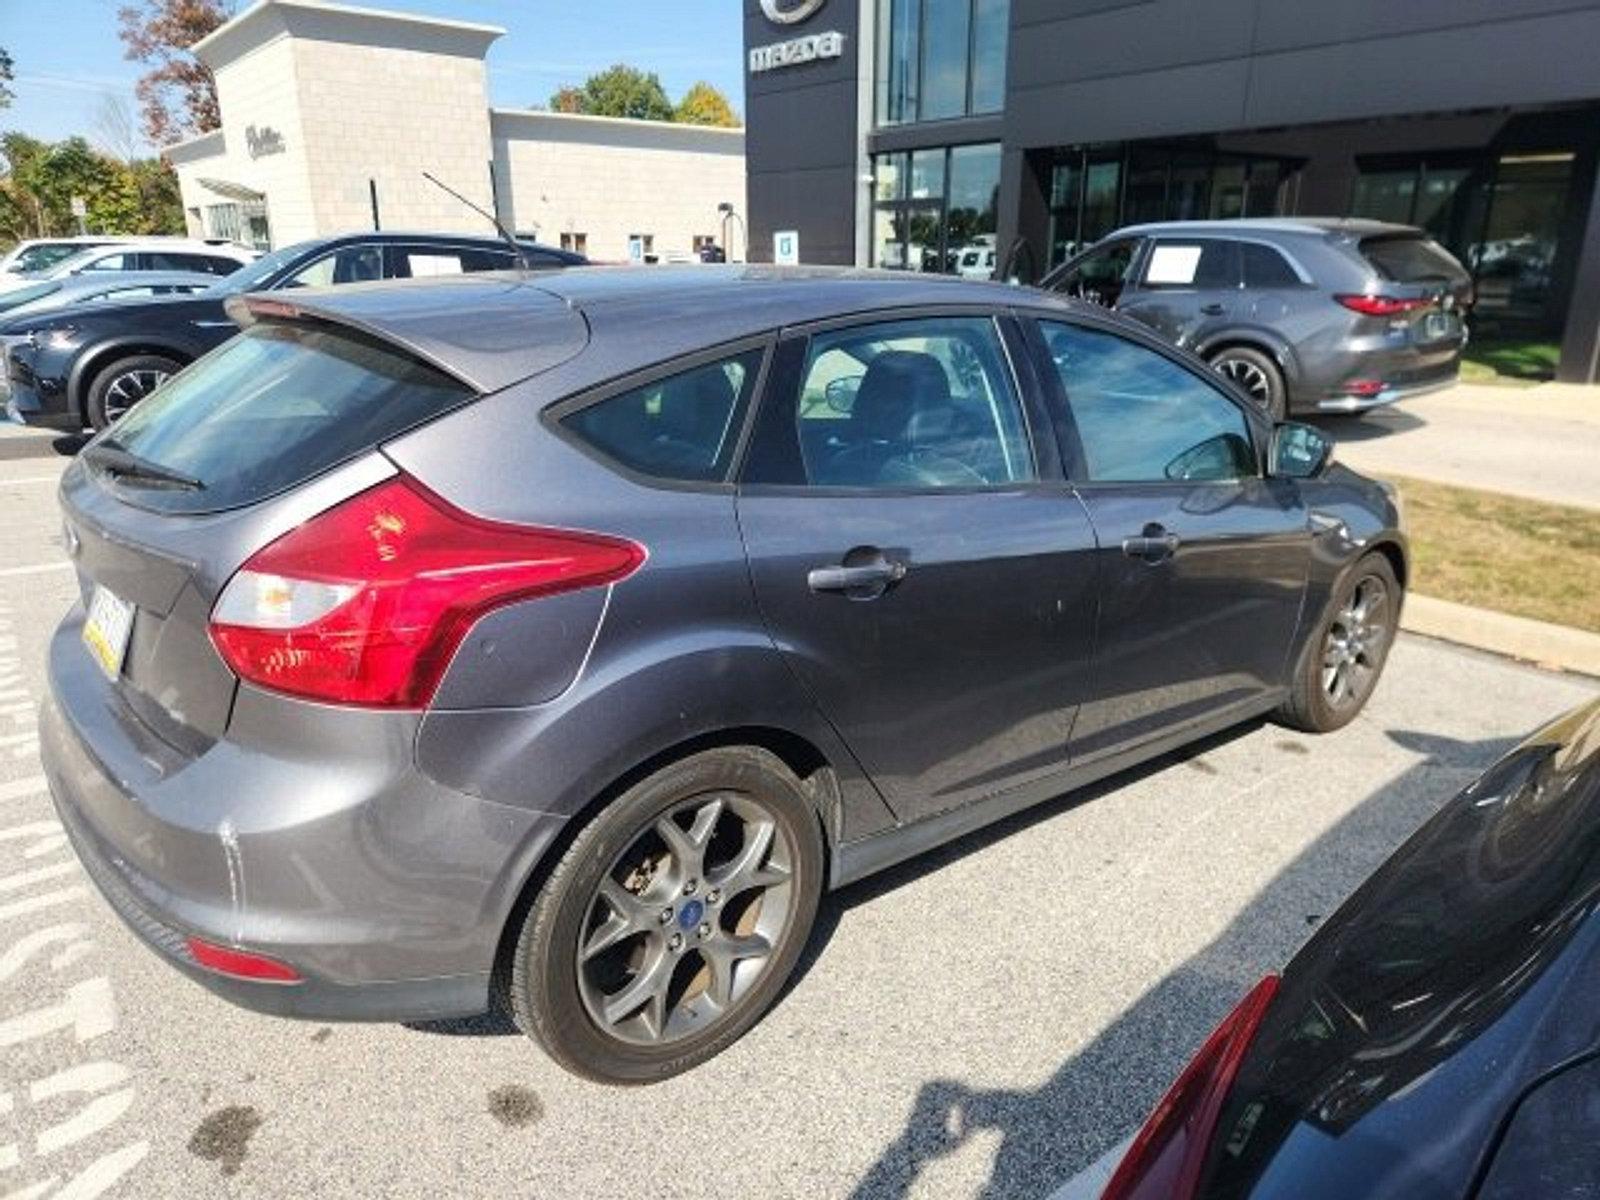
(1382,423)
(1102,1092)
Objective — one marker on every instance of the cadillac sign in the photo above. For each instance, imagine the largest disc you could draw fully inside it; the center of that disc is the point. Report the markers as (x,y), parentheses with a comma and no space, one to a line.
(811,48)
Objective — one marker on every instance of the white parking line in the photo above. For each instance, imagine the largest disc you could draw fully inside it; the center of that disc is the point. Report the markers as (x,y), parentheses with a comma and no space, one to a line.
(1088,1183)
(31,786)
(30,479)
(34,569)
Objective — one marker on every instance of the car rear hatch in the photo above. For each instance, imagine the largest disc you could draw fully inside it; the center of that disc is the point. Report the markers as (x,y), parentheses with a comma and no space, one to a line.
(1428,291)
(278,425)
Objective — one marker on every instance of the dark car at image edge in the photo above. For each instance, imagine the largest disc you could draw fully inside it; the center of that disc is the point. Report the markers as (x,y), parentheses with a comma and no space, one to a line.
(1438,1038)
(552,640)
(83,367)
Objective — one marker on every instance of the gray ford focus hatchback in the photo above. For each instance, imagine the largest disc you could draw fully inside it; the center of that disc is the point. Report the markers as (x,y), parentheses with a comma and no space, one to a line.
(550,643)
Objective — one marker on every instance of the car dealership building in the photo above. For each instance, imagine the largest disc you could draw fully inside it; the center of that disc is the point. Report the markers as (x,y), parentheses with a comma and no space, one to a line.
(905,133)
(331,114)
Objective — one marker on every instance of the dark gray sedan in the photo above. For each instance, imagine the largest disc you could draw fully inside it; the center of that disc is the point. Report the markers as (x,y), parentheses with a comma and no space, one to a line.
(553,641)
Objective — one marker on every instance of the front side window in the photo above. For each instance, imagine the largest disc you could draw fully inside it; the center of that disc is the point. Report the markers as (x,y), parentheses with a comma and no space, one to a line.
(1142,418)
(913,404)
(680,428)
(352,264)
(1100,275)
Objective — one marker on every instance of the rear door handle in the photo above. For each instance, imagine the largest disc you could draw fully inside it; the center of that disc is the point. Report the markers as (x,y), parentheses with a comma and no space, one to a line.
(1212,310)
(868,579)
(1155,544)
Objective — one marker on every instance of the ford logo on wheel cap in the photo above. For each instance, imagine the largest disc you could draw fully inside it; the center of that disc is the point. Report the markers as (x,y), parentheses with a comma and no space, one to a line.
(780,13)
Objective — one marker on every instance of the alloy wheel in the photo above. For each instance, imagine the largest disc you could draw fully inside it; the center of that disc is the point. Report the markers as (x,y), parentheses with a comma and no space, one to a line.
(1248,376)
(1353,649)
(129,388)
(686,919)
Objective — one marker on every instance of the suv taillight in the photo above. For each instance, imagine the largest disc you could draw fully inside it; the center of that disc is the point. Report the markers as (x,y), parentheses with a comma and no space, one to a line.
(1166,1157)
(1383,306)
(365,603)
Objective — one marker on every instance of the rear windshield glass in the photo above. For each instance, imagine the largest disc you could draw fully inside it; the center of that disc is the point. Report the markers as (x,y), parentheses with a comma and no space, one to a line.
(1411,260)
(270,409)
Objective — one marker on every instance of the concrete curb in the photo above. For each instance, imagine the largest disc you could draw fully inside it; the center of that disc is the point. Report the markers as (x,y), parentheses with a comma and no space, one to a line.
(1538,642)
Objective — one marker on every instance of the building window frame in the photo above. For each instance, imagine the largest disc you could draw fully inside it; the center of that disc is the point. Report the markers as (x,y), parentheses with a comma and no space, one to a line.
(900,93)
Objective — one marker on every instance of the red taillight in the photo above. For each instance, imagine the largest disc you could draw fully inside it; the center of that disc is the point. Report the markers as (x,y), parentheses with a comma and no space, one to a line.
(1166,1157)
(241,964)
(365,604)
(1363,387)
(1382,306)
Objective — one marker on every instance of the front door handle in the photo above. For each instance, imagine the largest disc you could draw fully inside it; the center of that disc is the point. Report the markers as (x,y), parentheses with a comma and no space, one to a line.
(1212,310)
(864,580)
(1154,544)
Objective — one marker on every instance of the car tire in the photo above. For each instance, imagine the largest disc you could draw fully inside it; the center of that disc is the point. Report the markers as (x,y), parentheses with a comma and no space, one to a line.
(1257,376)
(122,384)
(1340,664)
(626,911)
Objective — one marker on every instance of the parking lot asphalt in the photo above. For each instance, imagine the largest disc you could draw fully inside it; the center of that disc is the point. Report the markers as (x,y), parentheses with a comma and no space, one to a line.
(984,1021)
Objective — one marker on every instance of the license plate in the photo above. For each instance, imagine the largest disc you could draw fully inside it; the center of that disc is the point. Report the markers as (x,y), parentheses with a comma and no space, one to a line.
(106,630)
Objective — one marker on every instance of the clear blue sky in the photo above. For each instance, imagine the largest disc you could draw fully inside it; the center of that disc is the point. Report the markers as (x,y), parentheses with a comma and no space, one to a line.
(68,56)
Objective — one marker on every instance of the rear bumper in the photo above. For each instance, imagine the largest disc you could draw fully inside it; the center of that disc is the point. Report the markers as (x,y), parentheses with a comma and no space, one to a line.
(1391,395)
(30,399)
(386,893)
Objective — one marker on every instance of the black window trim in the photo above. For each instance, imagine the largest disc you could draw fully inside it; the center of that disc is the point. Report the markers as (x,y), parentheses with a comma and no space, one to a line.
(1074,461)
(554,414)
(794,342)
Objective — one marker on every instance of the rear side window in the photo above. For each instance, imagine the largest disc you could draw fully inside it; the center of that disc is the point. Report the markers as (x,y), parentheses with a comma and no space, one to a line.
(1411,260)
(681,428)
(1265,267)
(273,407)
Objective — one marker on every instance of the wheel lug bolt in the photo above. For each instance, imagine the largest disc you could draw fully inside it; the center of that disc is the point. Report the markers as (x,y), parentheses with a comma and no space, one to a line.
(675,942)
(666,916)
(689,888)
(705,930)
(713,896)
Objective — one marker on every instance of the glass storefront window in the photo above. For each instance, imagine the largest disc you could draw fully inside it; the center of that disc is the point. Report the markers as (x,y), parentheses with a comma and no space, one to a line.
(1097,189)
(948,209)
(939,59)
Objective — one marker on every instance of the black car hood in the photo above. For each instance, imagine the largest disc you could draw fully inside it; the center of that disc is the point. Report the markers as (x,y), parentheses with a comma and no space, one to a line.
(1460,973)
(142,315)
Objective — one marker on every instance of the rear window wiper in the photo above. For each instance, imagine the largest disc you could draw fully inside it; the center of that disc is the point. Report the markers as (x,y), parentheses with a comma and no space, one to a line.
(124,464)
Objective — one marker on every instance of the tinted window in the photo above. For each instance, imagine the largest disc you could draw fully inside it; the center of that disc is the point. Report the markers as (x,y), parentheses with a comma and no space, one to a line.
(1143,418)
(1100,272)
(908,404)
(1411,260)
(1192,264)
(38,258)
(1265,267)
(352,264)
(417,262)
(275,406)
(111,262)
(682,427)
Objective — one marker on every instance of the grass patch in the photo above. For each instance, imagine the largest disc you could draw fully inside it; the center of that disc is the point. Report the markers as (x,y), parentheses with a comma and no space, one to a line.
(1517,362)
(1515,556)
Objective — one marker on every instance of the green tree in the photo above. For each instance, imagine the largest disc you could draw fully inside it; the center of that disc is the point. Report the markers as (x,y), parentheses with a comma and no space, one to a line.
(38,181)
(160,203)
(178,95)
(703,104)
(619,91)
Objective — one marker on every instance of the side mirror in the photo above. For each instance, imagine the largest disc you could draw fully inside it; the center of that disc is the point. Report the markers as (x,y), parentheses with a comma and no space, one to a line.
(1298,451)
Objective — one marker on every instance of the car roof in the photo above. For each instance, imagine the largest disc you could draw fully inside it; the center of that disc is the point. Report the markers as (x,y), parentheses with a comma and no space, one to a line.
(1352,227)
(496,328)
